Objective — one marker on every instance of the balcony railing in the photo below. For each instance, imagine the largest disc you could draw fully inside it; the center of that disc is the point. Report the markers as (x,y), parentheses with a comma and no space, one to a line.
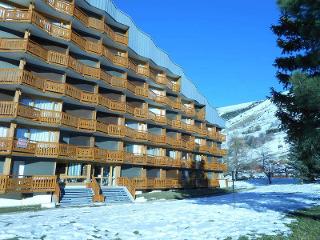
(215,166)
(136,134)
(113,80)
(174,123)
(138,112)
(56,150)
(17,76)
(160,119)
(187,127)
(61,6)
(158,139)
(27,184)
(142,70)
(32,16)
(72,152)
(157,98)
(141,91)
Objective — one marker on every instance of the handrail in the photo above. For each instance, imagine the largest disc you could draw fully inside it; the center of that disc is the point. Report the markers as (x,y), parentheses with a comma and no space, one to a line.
(57,192)
(97,193)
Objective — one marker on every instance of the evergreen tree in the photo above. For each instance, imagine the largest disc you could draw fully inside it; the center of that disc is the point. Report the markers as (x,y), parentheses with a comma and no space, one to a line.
(298,33)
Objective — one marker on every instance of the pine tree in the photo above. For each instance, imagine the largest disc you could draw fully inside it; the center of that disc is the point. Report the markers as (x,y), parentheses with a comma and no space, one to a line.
(298,33)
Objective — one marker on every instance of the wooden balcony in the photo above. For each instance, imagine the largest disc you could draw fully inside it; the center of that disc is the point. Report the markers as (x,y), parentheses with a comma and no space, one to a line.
(141,91)
(188,145)
(215,166)
(188,163)
(136,134)
(157,139)
(27,184)
(49,56)
(160,119)
(113,80)
(158,77)
(59,150)
(137,112)
(95,23)
(187,127)
(135,158)
(176,163)
(120,38)
(203,148)
(139,69)
(141,183)
(218,152)
(175,104)
(201,130)
(120,60)
(175,123)
(157,98)
(221,137)
(174,142)
(201,114)
(111,104)
(188,110)
(175,87)
(34,17)
(111,129)
(61,6)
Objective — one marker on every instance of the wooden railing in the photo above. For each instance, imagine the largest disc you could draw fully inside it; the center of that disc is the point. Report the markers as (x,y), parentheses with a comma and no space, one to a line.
(159,139)
(32,16)
(66,151)
(61,6)
(126,182)
(97,193)
(174,123)
(27,184)
(90,46)
(140,183)
(215,166)
(113,80)
(138,90)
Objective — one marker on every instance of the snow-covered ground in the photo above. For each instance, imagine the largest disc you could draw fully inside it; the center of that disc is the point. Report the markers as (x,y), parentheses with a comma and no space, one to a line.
(253,212)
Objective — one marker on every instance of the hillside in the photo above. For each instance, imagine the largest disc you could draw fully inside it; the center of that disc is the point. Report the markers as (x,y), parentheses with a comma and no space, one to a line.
(257,125)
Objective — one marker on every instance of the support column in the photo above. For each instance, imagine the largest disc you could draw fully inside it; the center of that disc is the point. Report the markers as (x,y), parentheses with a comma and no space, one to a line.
(88,173)
(110,176)
(116,174)
(7,166)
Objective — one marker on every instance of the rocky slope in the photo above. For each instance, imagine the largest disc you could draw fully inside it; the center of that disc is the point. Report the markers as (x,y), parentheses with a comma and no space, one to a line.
(257,125)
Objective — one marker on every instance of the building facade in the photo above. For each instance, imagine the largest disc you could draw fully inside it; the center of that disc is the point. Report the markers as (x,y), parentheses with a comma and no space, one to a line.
(86,98)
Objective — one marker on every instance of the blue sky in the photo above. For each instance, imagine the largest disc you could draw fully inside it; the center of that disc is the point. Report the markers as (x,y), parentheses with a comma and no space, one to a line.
(225,47)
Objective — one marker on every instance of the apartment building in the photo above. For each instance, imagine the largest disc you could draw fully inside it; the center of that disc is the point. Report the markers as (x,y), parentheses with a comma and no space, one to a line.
(88,100)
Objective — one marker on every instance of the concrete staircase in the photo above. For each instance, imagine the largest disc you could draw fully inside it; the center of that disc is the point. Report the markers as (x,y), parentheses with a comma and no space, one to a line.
(117,195)
(76,196)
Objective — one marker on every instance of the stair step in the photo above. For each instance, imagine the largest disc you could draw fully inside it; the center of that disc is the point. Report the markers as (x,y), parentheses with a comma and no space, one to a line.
(76,197)
(116,195)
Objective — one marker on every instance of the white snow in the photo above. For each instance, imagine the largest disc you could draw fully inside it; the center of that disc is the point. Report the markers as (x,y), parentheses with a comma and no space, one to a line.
(254,119)
(252,213)
(232,108)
